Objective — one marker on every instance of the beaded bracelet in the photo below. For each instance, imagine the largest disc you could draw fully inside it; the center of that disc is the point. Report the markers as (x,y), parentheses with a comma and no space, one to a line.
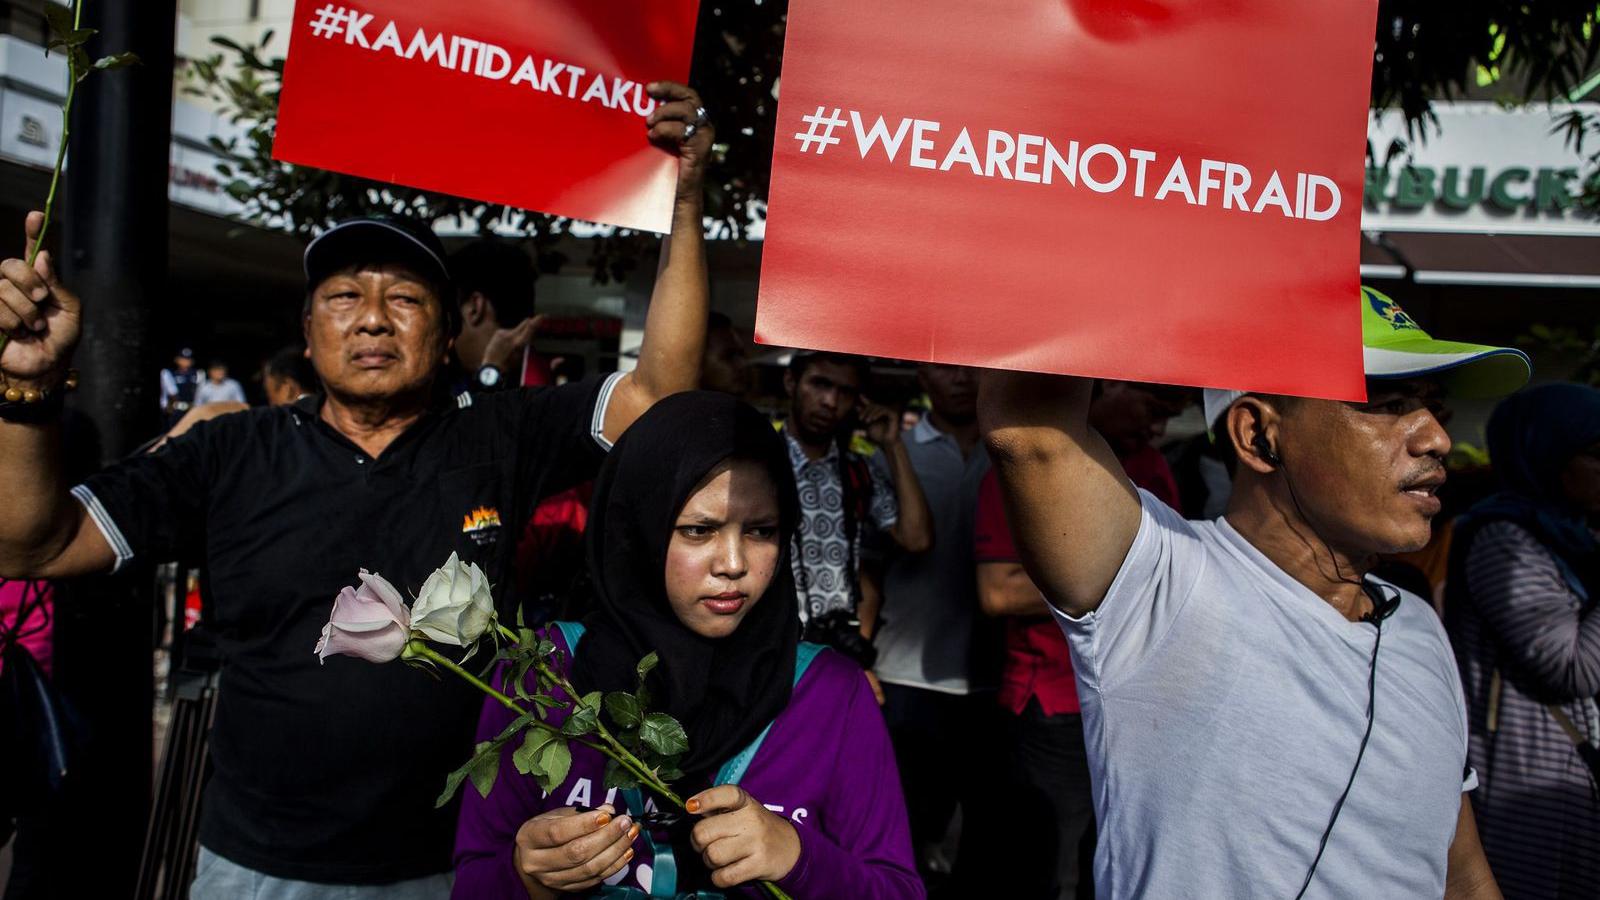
(30,405)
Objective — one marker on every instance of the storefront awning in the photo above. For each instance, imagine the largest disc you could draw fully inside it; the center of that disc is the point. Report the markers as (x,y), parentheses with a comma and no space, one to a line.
(1482,259)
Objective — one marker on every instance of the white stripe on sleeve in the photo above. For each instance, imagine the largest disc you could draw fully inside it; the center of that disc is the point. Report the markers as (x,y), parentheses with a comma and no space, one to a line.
(108,527)
(597,427)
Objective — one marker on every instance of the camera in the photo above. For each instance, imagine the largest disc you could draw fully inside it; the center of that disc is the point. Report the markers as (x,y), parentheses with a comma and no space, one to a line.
(841,630)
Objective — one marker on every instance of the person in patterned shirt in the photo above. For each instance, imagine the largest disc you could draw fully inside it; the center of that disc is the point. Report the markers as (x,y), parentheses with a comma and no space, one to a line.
(845,496)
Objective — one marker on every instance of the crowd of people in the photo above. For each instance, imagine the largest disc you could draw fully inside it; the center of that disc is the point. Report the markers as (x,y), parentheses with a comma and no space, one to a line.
(1004,649)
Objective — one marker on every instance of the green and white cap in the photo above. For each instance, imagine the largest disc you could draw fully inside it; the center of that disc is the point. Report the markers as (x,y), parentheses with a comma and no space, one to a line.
(1395,346)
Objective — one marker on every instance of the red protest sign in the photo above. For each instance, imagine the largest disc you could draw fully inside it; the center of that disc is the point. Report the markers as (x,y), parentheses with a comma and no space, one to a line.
(1160,190)
(538,104)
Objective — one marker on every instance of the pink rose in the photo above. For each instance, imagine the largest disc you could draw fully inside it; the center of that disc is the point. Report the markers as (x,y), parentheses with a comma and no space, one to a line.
(370,622)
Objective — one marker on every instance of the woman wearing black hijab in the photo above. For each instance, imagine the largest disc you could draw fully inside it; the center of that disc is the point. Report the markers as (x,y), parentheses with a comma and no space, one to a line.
(688,541)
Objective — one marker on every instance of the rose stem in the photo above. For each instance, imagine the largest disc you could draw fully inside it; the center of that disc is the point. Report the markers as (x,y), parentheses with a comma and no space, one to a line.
(419,648)
(615,750)
(61,153)
(655,783)
(627,759)
(621,754)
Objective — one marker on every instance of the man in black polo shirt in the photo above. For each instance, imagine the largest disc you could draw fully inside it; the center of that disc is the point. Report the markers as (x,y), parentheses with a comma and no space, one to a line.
(326,775)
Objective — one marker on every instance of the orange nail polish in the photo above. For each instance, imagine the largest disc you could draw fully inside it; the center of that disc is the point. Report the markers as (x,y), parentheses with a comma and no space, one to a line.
(601,820)
(692,806)
(633,833)
(627,856)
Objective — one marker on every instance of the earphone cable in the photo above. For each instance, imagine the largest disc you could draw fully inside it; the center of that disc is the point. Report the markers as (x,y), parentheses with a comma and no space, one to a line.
(1372,699)
(1376,618)
(1338,570)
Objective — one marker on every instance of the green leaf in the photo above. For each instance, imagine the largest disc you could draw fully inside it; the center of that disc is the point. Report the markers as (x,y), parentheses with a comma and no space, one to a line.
(517,724)
(485,756)
(78,62)
(452,783)
(645,665)
(526,757)
(556,761)
(662,733)
(117,61)
(60,18)
(592,700)
(519,678)
(73,39)
(623,708)
(545,756)
(582,721)
(483,769)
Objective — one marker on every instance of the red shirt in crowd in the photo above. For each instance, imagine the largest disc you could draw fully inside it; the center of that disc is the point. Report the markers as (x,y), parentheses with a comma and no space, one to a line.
(1037,662)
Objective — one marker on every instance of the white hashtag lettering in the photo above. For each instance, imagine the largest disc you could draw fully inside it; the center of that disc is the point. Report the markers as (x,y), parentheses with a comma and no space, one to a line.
(827,126)
(329,22)
(355,30)
(482,59)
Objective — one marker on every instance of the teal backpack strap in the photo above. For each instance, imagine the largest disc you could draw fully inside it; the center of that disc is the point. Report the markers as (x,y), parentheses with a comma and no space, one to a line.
(572,633)
(733,770)
(803,655)
(664,880)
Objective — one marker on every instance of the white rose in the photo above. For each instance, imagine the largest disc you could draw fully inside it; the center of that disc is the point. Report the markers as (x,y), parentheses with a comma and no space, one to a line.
(455,605)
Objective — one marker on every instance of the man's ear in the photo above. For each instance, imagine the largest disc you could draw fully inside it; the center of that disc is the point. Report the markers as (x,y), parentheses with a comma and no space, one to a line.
(1250,424)
(475,309)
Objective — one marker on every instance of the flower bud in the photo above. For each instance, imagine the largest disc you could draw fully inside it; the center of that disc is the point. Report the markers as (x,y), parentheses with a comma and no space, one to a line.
(369,622)
(455,605)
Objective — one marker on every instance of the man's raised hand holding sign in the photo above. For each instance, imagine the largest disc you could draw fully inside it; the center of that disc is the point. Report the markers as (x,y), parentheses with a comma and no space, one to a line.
(384,470)
(669,357)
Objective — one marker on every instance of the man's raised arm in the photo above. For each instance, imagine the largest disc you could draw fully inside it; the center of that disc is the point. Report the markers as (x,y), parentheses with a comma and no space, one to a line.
(44,533)
(1073,512)
(675,326)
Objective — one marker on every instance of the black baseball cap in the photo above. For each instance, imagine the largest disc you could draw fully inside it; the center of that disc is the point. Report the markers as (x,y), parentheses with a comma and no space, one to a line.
(378,240)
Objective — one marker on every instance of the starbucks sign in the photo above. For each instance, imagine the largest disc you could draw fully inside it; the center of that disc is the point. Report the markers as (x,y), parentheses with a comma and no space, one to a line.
(1487,170)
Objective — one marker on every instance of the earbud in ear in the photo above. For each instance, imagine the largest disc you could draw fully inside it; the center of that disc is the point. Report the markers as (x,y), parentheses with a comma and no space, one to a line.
(1265,450)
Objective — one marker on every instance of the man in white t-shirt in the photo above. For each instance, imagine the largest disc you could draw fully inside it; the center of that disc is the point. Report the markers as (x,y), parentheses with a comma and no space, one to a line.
(1229,670)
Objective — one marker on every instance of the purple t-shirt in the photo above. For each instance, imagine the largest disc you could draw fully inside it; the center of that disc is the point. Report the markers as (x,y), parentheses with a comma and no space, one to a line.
(826,765)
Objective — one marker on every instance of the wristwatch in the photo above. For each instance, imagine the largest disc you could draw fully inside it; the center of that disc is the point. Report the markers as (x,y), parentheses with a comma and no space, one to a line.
(489,378)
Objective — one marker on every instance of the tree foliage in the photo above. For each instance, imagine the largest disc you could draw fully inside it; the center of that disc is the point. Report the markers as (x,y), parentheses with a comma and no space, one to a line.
(1424,52)
(1520,52)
